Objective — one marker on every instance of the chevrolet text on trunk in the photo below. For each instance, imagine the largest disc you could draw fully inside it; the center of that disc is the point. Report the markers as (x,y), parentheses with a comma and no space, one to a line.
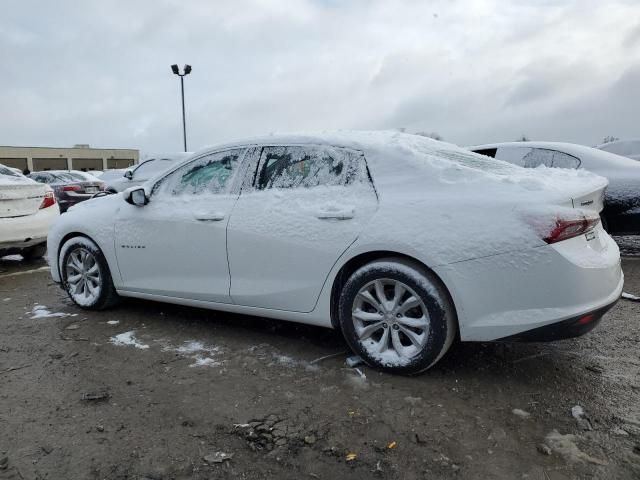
(401,242)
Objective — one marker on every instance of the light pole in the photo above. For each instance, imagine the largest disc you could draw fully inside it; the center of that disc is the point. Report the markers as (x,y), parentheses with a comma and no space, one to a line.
(186,71)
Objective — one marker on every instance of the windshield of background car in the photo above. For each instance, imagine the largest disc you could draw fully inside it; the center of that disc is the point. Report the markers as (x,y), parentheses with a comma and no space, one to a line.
(8,172)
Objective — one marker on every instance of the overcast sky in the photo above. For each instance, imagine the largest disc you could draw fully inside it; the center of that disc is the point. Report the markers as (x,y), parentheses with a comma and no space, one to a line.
(475,71)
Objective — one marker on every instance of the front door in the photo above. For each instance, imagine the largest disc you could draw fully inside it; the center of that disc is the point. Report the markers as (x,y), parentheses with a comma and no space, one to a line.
(306,206)
(176,244)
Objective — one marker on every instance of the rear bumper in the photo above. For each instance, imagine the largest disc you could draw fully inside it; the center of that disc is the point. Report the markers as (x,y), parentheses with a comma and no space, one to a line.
(570,328)
(28,230)
(507,295)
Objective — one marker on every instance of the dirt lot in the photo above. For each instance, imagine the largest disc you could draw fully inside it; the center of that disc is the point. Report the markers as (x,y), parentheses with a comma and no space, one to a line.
(165,399)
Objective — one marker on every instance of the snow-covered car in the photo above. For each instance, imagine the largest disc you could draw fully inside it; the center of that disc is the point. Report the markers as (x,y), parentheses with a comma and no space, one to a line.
(401,242)
(69,187)
(27,210)
(139,174)
(626,148)
(621,213)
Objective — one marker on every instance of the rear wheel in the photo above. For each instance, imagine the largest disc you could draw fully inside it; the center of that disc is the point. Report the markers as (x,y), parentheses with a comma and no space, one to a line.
(397,316)
(34,252)
(85,275)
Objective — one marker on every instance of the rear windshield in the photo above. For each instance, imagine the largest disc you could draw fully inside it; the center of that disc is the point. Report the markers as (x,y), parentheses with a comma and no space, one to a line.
(6,171)
(479,162)
(68,177)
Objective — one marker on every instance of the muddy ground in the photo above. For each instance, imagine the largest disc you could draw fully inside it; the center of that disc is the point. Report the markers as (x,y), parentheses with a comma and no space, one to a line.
(81,398)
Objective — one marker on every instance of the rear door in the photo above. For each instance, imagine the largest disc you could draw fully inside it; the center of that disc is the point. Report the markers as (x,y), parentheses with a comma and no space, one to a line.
(304,208)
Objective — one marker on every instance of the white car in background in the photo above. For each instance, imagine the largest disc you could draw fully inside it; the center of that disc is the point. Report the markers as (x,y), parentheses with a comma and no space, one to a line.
(401,242)
(626,148)
(27,210)
(621,212)
(146,170)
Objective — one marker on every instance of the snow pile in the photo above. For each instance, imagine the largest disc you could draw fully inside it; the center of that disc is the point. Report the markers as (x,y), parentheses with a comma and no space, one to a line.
(40,311)
(128,339)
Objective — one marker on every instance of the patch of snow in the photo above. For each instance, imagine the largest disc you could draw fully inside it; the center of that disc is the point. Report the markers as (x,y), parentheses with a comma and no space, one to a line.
(8,299)
(201,361)
(629,296)
(40,311)
(565,445)
(577,412)
(128,339)
(202,354)
(12,258)
(113,322)
(520,413)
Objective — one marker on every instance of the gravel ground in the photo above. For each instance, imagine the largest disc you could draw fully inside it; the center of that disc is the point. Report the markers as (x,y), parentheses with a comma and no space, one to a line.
(152,391)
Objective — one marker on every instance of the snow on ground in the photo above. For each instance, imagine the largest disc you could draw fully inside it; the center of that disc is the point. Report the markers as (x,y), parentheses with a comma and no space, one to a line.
(128,339)
(113,322)
(40,311)
(203,355)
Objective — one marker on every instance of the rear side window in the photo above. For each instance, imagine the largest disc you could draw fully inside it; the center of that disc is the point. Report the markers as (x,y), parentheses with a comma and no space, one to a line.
(529,157)
(308,166)
(209,174)
(487,152)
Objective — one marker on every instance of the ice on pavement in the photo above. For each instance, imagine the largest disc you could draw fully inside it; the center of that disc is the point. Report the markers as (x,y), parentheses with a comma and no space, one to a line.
(40,311)
(128,339)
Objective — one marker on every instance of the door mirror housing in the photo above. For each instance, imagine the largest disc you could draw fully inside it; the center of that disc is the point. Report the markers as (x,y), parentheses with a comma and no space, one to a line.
(128,174)
(136,196)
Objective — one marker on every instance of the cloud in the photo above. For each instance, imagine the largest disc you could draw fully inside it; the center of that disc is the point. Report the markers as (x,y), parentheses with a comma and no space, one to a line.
(472,70)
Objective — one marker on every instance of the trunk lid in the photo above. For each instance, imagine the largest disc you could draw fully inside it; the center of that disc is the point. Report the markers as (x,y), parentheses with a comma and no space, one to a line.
(20,199)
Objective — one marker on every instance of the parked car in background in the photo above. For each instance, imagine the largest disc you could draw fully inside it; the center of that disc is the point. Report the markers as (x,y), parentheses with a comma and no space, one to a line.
(146,170)
(400,242)
(111,174)
(69,187)
(626,148)
(621,214)
(27,210)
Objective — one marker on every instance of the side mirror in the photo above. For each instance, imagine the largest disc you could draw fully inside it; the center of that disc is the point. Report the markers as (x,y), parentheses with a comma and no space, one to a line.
(136,196)
(128,174)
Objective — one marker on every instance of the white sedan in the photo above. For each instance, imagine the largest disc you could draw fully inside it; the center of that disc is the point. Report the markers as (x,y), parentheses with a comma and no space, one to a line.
(401,242)
(27,210)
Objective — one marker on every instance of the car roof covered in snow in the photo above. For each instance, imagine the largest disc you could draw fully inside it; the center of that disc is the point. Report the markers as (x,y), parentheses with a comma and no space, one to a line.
(400,162)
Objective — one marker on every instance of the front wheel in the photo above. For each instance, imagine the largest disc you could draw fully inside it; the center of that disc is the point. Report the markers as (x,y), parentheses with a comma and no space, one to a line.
(397,316)
(85,275)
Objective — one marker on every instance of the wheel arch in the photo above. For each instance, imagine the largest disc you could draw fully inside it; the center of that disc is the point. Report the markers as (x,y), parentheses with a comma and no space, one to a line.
(362,259)
(64,240)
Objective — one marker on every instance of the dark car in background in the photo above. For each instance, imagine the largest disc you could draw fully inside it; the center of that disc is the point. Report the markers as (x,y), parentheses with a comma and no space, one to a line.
(621,214)
(69,187)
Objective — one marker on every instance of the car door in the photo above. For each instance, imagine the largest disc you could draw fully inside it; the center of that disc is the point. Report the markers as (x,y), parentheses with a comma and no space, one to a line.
(304,208)
(176,244)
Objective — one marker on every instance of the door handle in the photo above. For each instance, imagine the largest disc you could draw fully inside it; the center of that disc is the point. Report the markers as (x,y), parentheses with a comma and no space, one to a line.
(330,214)
(209,217)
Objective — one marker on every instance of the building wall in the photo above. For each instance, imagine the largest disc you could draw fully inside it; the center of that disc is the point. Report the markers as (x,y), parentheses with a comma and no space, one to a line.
(77,158)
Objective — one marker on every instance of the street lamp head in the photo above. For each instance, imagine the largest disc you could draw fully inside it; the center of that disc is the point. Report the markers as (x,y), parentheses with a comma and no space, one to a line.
(187,69)
(175,69)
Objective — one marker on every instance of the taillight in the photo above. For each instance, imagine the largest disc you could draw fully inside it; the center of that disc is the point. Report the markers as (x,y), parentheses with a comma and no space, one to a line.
(71,188)
(48,200)
(565,229)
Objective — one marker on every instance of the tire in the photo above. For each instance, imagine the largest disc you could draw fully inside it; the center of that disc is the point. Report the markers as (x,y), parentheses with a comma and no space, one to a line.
(34,252)
(401,320)
(94,290)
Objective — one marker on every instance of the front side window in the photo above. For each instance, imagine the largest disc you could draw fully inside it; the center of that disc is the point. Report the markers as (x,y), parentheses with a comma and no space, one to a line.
(209,174)
(306,166)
